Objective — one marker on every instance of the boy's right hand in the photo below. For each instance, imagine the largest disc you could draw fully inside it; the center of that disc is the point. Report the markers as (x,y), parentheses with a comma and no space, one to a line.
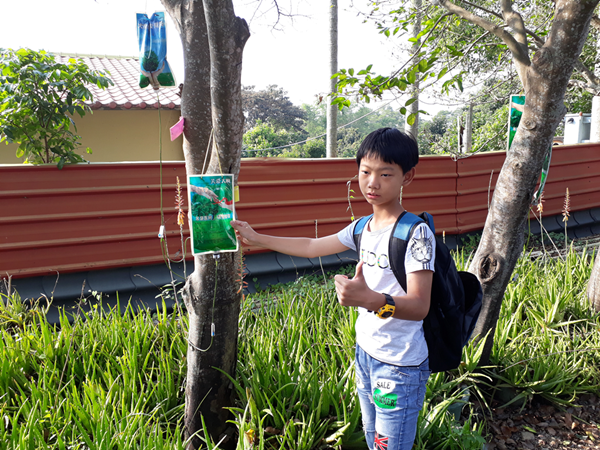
(356,292)
(245,232)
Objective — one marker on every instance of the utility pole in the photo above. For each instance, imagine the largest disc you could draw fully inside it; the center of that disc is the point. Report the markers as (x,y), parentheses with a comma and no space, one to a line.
(413,108)
(332,111)
(460,136)
(469,130)
(595,125)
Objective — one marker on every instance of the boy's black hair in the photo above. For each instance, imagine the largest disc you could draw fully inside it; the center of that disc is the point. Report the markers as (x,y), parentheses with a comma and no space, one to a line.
(391,146)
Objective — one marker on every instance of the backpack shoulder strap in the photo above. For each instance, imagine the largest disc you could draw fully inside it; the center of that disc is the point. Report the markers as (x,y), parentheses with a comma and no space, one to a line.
(401,234)
(428,219)
(359,227)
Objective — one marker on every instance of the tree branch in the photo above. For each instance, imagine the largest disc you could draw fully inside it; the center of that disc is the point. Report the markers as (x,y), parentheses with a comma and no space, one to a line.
(519,52)
(515,21)
(423,42)
(489,11)
(592,88)
(587,73)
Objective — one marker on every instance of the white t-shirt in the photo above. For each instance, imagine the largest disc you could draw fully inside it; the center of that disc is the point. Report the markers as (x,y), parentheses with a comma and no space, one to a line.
(393,341)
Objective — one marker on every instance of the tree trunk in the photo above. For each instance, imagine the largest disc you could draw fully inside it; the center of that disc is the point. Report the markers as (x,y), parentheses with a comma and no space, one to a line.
(413,108)
(213,41)
(545,81)
(593,289)
(332,110)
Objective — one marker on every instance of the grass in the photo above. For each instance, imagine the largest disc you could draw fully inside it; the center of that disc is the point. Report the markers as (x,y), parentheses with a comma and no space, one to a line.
(106,381)
(116,381)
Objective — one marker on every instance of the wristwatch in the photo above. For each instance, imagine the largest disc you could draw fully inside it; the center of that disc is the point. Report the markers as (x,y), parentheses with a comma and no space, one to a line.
(388,309)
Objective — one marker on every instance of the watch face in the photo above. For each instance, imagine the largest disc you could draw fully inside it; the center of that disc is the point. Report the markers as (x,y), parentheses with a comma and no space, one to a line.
(386,311)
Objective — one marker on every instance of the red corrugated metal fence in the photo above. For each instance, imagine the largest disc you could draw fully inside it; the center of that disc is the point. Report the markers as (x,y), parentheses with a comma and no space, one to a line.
(94,216)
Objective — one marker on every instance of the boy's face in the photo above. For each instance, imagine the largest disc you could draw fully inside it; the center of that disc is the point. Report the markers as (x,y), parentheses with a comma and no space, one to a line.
(381,182)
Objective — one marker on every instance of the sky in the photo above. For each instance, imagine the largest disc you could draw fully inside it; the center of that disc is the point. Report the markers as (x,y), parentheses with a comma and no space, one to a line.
(293,56)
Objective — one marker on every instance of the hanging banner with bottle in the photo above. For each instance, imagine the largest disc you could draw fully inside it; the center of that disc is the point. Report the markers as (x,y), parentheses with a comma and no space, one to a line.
(152,40)
(212,208)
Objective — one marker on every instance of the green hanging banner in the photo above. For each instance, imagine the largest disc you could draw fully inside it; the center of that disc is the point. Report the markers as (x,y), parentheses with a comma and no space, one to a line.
(212,208)
(517,104)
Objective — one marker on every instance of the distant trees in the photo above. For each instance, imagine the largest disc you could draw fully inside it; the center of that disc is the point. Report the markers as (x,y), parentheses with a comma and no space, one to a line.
(276,127)
(272,106)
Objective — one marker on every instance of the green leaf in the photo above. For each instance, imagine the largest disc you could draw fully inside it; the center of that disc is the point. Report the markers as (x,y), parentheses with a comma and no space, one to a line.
(412,77)
(411,119)
(410,101)
(403,111)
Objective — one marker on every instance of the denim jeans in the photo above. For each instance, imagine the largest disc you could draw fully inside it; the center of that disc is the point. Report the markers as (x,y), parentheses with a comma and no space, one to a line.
(390,400)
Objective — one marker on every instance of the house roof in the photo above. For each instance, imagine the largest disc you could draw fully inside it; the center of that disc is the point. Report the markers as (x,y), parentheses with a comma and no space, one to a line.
(126,92)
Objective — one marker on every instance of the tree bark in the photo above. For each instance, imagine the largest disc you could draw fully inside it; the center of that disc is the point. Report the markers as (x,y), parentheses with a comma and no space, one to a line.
(332,110)
(213,41)
(593,289)
(545,80)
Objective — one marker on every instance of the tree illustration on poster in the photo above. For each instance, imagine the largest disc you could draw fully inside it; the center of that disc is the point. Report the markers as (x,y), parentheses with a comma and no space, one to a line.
(212,208)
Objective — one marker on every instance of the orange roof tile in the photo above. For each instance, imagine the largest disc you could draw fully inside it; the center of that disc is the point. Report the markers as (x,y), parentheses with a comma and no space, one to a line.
(126,92)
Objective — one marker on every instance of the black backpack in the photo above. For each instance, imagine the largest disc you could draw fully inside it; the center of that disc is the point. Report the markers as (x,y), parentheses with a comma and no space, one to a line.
(455,296)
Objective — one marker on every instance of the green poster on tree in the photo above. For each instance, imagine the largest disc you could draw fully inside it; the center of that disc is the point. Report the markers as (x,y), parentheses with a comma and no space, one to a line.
(212,206)
(517,103)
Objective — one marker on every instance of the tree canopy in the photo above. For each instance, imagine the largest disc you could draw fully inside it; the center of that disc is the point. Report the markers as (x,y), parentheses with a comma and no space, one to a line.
(273,106)
(38,97)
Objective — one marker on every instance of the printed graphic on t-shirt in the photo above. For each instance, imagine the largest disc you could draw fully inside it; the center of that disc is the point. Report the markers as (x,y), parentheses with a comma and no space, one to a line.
(421,248)
(372,259)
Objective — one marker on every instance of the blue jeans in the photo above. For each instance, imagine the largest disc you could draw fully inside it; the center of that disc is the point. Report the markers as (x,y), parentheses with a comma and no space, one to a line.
(390,400)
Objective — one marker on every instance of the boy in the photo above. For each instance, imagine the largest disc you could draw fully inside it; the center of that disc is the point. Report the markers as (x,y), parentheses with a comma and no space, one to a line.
(392,365)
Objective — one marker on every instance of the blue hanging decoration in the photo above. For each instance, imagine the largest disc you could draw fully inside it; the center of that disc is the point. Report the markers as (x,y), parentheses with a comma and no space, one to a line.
(152,39)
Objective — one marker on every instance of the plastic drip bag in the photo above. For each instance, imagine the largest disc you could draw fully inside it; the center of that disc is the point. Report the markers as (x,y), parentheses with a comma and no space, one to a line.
(152,39)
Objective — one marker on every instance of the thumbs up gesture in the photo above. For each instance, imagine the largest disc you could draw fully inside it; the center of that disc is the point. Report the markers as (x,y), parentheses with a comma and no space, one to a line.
(355,292)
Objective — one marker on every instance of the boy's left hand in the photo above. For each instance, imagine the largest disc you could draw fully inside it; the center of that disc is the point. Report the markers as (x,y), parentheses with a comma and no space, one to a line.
(355,292)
